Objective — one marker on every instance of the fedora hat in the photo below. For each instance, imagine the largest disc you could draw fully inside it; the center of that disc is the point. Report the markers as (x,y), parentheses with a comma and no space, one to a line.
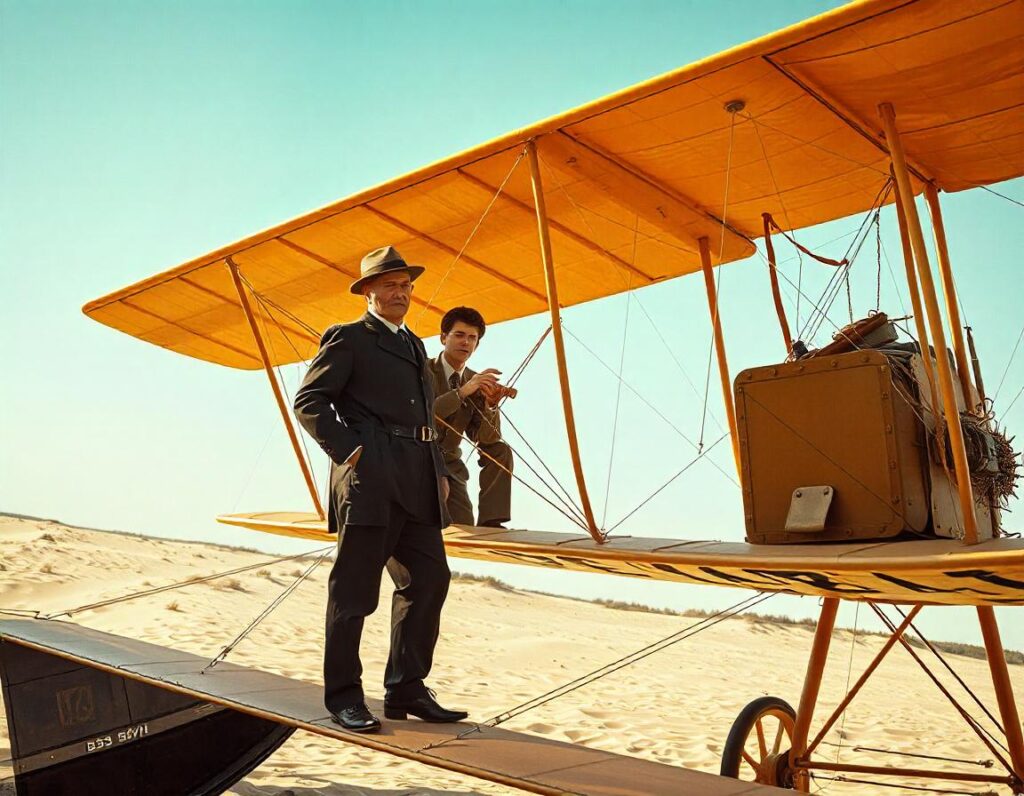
(382,261)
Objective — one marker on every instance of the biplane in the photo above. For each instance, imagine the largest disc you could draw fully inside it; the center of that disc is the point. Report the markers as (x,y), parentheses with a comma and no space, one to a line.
(872,467)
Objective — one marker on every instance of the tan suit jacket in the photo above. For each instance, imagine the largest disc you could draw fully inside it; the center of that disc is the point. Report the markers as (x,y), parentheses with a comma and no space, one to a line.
(470,417)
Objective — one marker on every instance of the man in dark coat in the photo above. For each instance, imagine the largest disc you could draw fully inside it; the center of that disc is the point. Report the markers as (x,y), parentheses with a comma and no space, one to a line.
(368,388)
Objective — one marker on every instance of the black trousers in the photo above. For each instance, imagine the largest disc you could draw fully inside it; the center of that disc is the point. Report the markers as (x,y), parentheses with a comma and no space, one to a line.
(413,553)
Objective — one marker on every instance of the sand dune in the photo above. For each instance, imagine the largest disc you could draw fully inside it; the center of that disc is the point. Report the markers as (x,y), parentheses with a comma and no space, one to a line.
(498,648)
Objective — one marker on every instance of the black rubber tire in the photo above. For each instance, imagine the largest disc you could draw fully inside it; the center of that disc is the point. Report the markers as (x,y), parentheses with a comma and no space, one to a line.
(741,728)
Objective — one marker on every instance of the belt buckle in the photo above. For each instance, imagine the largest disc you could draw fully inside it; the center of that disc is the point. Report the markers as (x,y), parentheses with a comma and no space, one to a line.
(426,434)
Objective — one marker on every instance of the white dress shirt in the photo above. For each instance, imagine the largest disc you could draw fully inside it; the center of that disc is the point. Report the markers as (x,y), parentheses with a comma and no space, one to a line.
(386,322)
(449,370)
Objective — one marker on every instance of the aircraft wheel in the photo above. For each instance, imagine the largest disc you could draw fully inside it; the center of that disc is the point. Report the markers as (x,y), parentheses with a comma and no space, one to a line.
(757,749)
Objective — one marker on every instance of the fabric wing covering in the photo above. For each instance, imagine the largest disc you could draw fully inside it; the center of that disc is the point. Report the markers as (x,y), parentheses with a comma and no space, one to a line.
(647,164)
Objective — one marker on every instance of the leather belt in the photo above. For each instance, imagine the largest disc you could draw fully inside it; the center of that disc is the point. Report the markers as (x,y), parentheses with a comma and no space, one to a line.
(418,433)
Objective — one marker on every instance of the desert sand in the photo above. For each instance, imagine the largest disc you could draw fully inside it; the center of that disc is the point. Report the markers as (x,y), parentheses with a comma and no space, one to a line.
(499,647)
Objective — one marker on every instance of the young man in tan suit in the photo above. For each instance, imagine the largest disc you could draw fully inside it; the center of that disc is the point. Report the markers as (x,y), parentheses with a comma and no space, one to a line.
(462,411)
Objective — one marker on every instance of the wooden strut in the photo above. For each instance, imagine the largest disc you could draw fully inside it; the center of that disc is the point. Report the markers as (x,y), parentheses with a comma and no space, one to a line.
(976,367)
(920,323)
(879,657)
(723,365)
(809,695)
(780,310)
(556,336)
(801,762)
(956,437)
(1003,687)
(931,195)
(285,415)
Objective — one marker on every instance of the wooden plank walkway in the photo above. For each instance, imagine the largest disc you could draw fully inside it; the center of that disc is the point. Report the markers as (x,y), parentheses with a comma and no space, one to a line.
(528,762)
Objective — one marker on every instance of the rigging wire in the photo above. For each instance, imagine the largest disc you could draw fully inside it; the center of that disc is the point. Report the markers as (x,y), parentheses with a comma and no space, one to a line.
(1008,363)
(1002,196)
(472,234)
(878,258)
(568,497)
(528,358)
(567,501)
(938,654)
(675,359)
(849,674)
(182,584)
(820,148)
(980,731)
(689,631)
(686,467)
(291,316)
(1009,406)
(618,386)
(266,612)
(782,204)
(570,511)
(979,763)
(715,315)
(25,613)
(636,296)
(895,284)
(253,467)
(920,788)
(840,276)
(647,403)
(280,376)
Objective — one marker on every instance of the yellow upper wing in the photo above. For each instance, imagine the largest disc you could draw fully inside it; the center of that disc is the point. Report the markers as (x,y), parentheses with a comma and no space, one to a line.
(806,147)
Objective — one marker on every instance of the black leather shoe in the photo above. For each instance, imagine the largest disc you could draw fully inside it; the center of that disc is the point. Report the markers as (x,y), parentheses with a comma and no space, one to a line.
(356,718)
(423,707)
(493,524)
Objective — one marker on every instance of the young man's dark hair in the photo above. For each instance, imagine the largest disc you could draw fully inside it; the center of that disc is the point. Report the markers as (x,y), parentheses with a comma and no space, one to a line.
(466,315)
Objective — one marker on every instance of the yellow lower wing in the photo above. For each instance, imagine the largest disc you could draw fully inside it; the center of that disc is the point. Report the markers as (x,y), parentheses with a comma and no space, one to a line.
(930,571)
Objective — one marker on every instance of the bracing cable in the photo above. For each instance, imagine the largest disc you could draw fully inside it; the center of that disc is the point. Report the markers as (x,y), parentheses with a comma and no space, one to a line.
(610,668)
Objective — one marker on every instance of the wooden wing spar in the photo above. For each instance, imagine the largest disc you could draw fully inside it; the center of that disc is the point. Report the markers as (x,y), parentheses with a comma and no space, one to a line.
(801,139)
(935,571)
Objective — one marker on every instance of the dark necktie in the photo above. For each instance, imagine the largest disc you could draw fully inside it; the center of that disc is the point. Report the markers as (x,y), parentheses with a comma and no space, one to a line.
(455,380)
(404,334)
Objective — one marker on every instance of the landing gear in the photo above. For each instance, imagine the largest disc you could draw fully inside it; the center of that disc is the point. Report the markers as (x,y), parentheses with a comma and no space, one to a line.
(757,749)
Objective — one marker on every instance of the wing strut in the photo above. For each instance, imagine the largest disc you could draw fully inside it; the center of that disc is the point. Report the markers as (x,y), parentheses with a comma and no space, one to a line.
(920,323)
(723,364)
(931,195)
(307,474)
(956,436)
(556,335)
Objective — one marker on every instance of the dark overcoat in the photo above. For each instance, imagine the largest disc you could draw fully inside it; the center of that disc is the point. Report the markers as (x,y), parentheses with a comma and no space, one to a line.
(363,384)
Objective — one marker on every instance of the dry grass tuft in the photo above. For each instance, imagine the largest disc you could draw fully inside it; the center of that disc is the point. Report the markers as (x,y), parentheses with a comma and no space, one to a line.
(173,606)
(487,580)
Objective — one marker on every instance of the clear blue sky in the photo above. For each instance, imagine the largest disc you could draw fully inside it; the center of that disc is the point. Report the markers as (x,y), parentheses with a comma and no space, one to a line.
(134,136)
